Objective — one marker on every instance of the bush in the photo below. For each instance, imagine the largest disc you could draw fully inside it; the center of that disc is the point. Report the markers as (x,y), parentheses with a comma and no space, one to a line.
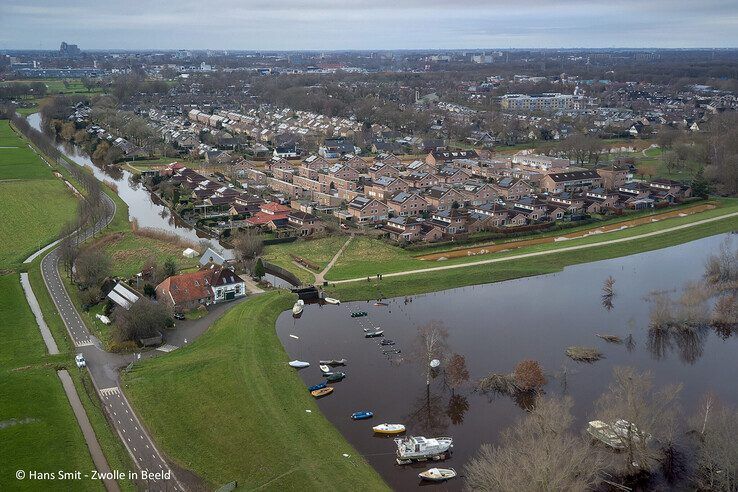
(529,376)
(90,297)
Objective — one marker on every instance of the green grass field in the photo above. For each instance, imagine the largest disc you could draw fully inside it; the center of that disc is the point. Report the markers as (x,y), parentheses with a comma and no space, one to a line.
(234,410)
(317,251)
(31,215)
(128,252)
(38,430)
(17,160)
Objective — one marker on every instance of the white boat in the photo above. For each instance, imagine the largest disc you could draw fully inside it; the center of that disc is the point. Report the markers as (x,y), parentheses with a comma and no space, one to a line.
(421,448)
(324,368)
(437,474)
(331,300)
(333,362)
(297,308)
(299,364)
(389,429)
(616,435)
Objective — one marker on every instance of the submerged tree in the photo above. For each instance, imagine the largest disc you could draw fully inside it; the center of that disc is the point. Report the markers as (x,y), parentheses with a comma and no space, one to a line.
(431,343)
(539,453)
(715,427)
(529,375)
(608,293)
(456,372)
(646,418)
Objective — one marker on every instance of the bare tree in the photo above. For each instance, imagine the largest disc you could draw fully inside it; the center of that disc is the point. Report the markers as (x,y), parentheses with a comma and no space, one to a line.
(456,372)
(647,418)
(143,319)
(539,453)
(717,449)
(248,244)
(431,344)
(529,376)
(92,266)
(608,293)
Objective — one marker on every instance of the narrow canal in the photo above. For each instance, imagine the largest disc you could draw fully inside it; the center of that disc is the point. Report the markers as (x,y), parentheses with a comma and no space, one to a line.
(494,327)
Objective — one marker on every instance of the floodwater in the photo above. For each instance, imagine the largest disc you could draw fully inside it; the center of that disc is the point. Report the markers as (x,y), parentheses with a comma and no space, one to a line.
(143,206)
(495,326)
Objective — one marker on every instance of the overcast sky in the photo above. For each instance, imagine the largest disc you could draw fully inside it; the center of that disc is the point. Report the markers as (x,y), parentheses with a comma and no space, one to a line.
(367,24)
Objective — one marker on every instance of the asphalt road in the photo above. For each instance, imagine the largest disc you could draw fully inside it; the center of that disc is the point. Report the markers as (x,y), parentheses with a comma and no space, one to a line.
(104,367)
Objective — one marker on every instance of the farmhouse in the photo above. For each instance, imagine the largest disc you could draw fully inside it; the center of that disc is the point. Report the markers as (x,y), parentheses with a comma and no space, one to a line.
(209,285)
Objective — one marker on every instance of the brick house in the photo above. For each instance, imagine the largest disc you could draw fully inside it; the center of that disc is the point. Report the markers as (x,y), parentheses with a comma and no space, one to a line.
(364,209)
(209,285)
(440,198)
(405,204)
(306,224)
(438,157)
(571,181)
(384,187)
(512,189)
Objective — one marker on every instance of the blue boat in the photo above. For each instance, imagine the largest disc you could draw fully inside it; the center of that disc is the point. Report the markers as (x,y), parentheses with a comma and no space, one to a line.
(317,387)
(361,415)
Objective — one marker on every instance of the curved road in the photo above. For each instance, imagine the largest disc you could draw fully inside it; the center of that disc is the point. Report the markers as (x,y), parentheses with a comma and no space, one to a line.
(103,367)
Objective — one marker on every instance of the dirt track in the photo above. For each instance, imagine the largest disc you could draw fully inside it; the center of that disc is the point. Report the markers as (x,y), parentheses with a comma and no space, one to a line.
(506,246)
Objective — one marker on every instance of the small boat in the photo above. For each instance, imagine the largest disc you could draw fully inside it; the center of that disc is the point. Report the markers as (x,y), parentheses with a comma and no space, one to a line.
(299,364)
(335,377)
(331,300)
(297,308)
(391,352)
(324,368)
(322,392)
(359,314)
(374,334)
(363,415)
(334,362)
(317,387)
(386,342)
(389,429)
(327,374)
(437,474)
(379,303)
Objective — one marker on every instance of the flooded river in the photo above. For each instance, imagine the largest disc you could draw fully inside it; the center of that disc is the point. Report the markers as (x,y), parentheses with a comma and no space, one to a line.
(494,327)
(143,206)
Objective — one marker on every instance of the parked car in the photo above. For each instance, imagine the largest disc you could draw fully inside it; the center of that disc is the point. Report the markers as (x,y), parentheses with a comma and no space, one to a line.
(80,361)
(179,316)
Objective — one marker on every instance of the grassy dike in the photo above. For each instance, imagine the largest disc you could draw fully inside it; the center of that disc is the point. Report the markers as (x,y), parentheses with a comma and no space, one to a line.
(228,407)
(537,265)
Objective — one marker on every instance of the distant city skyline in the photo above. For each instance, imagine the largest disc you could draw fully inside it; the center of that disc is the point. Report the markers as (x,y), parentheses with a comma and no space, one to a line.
(368,25)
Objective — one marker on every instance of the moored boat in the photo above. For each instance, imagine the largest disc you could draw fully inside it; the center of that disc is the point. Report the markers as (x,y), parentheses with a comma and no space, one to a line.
(386,342)
(380,303)
(298,364)
(391,352)
(316,387)
(322,392)
(333,362)
(298,307)
(374,334)
(359,314)
(363,415)
(437,474)
(331,300)
(389,429)
(324,368)
(335,377)
(414,448)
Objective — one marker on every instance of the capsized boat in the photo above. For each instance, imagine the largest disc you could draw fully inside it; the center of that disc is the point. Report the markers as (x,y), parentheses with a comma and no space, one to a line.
(374,334)
(363,415)
(317,387)
(334,362)
(324,368)
(335,377)
(331,300)
(437,474)
(389,429)
(298,307)
(413,448)
(322,392)
(299,364)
